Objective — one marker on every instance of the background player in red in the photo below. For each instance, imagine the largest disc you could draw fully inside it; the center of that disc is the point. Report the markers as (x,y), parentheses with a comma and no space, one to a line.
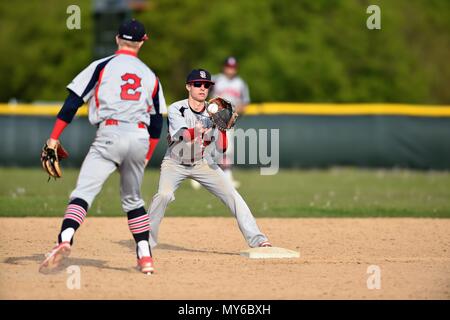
(125,102)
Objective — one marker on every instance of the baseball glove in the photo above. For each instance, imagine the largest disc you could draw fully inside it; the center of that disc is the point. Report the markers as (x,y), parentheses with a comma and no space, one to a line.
(222,113)
(50,158)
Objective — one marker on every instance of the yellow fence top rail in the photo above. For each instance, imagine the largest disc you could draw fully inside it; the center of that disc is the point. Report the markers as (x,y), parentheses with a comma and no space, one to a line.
(272,109)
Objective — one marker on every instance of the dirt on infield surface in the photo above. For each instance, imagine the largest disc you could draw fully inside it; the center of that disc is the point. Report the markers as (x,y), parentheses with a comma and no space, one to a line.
(198,258)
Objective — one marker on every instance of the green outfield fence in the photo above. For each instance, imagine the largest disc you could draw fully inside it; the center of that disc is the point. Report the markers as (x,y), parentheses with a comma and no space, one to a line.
(311,135)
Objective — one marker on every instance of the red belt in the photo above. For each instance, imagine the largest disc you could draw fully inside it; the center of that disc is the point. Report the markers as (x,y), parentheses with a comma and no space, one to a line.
(113,122)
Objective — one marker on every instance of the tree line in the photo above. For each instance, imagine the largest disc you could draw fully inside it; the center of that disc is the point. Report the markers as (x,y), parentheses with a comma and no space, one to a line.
(288,50)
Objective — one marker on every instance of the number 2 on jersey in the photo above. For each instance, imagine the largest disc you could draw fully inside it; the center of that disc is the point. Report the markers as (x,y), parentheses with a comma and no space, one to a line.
(127,87)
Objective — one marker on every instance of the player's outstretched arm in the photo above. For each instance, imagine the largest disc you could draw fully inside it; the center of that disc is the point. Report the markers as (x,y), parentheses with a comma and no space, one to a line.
(156,119)
(155,128)
(222,142)
(65,116)
(53,152)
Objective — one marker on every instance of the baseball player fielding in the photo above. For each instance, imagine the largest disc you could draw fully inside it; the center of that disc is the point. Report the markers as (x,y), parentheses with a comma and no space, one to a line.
(125,102)
(192,140)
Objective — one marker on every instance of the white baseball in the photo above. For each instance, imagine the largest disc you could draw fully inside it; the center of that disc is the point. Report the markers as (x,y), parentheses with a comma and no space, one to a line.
(213,108)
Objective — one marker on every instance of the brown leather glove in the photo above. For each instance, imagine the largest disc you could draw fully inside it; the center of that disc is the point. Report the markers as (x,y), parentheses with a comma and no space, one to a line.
(50,158)
(224,115)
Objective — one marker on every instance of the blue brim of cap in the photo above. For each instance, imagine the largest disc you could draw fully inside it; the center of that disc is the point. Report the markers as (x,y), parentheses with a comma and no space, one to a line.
(201,80)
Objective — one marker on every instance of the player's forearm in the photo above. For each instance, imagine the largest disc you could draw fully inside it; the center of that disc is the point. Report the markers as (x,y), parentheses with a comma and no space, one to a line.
(183,134)
(58,128)
(154,130)
(188,134)
(222,141)
(66,114)
(153,143)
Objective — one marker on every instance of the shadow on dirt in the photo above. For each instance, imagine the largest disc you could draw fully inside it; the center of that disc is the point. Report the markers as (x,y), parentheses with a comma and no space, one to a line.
(67,262)
(164,246)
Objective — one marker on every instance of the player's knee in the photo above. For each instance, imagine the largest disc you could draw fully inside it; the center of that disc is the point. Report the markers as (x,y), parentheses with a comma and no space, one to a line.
(231,196)
(166,195)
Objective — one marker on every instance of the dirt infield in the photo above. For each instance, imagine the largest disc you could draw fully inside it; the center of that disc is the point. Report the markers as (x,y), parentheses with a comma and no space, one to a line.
(198,259)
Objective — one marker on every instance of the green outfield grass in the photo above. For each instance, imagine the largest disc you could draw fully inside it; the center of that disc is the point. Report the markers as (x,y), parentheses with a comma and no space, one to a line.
(335,192)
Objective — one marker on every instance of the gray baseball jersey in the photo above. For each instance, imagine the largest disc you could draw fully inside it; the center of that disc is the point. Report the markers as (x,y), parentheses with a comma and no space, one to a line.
(121,92)
(119,87)
(235,90)
(181,115)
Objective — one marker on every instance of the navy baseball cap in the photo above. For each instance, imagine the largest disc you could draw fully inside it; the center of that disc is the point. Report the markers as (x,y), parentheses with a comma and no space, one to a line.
(201,75)
(230,62)
(132,30)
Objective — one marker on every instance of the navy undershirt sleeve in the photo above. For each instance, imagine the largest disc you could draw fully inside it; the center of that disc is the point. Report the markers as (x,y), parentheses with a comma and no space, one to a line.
(155,128)
(70,107)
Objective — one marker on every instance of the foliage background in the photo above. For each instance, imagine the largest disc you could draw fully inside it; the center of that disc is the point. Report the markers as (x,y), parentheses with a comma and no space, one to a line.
(290,50)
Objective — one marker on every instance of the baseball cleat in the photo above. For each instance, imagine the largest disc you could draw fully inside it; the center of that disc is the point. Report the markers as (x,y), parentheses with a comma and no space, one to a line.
(54,257)
(265,244)
(145,265)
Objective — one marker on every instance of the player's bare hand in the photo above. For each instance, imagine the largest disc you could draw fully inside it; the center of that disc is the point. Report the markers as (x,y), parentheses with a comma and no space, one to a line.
(52,143)
(240,108)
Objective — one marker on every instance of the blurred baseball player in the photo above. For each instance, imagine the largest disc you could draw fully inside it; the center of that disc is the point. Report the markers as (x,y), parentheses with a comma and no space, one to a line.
(191,132)
(125,101)
(230,86)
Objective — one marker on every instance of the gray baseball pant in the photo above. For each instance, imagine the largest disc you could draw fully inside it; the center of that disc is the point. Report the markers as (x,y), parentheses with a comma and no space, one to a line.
(214,180)
(123,147)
